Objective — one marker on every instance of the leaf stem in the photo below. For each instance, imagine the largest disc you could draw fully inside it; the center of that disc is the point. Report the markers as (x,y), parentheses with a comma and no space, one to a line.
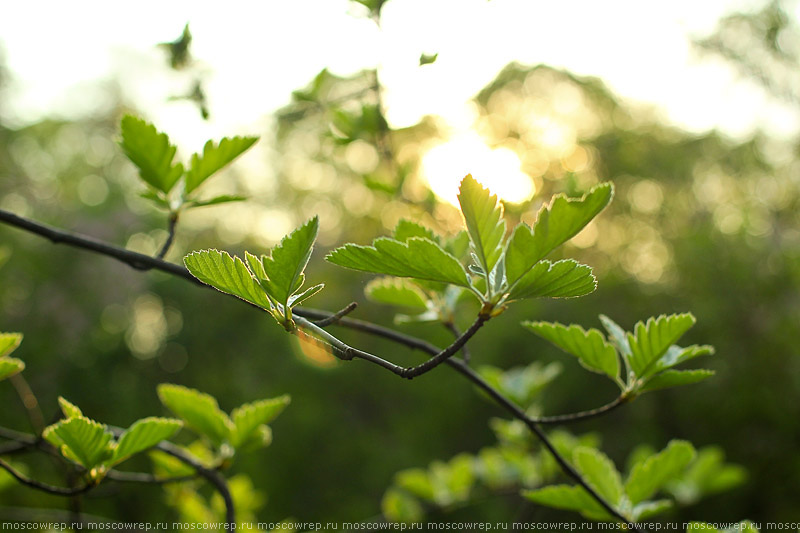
(172,225)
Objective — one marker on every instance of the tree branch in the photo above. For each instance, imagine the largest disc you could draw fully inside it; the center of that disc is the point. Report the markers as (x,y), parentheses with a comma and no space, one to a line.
(144,262)
(44,487)
(171,227)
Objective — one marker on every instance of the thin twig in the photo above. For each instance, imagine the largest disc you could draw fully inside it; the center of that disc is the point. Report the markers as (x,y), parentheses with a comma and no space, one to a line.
(29,401)
(171,227)
(44,487)
(144,477)
(213,477)
(452,328)
(336,316)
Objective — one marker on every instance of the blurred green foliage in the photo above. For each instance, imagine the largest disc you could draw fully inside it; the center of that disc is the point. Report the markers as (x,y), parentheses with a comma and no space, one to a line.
(700,223)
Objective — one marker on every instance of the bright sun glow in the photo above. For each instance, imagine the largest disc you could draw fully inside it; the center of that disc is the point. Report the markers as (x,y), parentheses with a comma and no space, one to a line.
(446,164)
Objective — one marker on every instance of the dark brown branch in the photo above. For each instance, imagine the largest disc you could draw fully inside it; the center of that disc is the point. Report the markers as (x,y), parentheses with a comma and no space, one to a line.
(171,227)
(336,316)
(465,354)
(44,487)
(143,477)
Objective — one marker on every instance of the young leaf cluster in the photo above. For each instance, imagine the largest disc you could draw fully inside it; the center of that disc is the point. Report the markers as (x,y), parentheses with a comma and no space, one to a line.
(648,354)
(272,282)
(9,366)
(244,429)
(631,498)
(93,446)
(171,185)
(501,269)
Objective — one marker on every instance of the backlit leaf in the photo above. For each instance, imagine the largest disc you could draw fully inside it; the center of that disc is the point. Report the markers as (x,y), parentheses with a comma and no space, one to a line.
(142,435)
(397,292)
(590,347)
(10,366)
(650,341)
(600,473)
(648,476)
(483,217)
(286,262)
(227,274)
(151,152)
(214,158)
(248,417)
(563,279)
(9,342)
(199,410)
(82,440)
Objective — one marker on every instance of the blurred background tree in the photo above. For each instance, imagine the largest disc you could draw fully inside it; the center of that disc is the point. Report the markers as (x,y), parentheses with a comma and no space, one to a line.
(700,222)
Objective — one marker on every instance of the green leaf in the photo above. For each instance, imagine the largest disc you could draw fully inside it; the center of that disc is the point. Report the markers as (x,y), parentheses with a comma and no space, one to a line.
(81,440)
(650,508)
(563,279)
(151,152)
(427,59)
(297,299)
(649,476)
(286,262)
(200,411)
(483,217)
(617,336)
(458,245)
(570,499)
(142,435)
(653,339)
(10,366)
(600,473)
(521,384)
(397,292)
(227,274)
(9,342)
(676,355)
(222,199)
(418,258)
(590,347)
(250,416)
(69,409)
(708,474)
(555,224)
(675,378)
(406,229)
(398,506)
(417,482)
(214,158)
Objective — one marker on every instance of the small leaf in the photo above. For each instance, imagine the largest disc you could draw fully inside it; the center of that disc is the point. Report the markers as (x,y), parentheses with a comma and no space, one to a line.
(675,378)
(707,474)
(600,473)
(151,152)
(417,482)
(248,417)
(200,411)
(563,279)
(647,509)
(653,339)
(227,274)
(9,342)
(397,292)
(297,299)
(406,229)
(214,158)
(521,384)
(427,59)
(555,224)
(590,347)
(142,435)
(676,355)
(69,409)
(617,337)
(649,476)
(82,440)
(398,506)
(483,217)
(570,499)
(10,366)
(286,262)
(222,199)
(418,258)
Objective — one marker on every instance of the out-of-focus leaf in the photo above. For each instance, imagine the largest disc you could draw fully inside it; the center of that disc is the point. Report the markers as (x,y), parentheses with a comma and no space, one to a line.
(9,342)
(222,199)
(568,498)
(399,506)
(600,473)
(649,476)
(10,366)
(397,292)
(248,417)
(199,410)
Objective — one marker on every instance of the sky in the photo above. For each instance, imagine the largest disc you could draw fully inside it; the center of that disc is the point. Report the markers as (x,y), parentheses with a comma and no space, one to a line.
(255,53)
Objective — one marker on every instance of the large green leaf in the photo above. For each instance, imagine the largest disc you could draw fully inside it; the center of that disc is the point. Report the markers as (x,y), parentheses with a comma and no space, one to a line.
(599,472)
(483,217)
(648,476)
(151,152)
(82,440)
(675,378)
(285,264)
(10,366)
(142,435)
(653,339)
(555,224)
(248,417)
(590,347)
(227,274)
(199,410)
(417,258)
(397,292)
(569,498)
(563,279)
(9,342)
(214,158)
